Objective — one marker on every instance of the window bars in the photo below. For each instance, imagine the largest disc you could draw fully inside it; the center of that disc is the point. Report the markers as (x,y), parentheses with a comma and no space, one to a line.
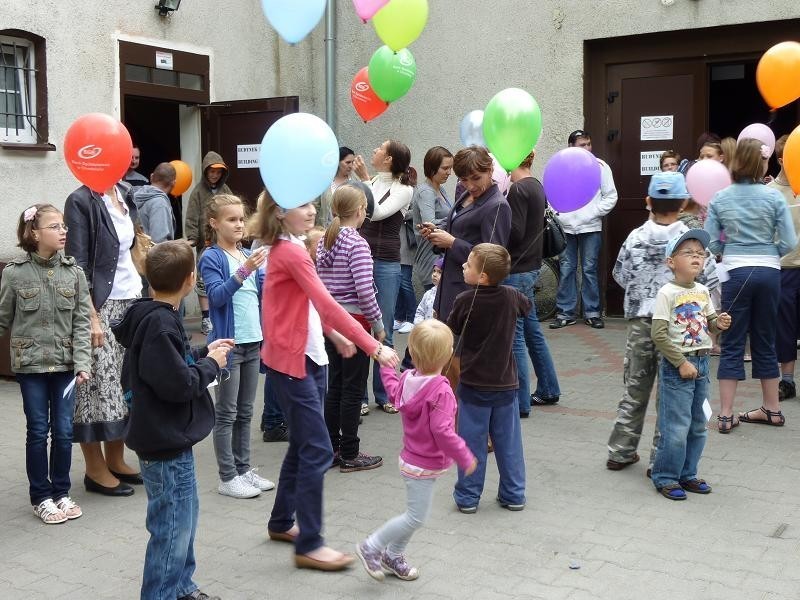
(17,91)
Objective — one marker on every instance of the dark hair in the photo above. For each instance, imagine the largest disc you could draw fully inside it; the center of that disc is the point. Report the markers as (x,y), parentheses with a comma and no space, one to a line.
(401,162)
(578,133)
(472,159)
(433,160)
(780,144)
(527,162)
(168,264)
(343,152)
(705,138)
(494,260)
(25,237)
(164,173)
(665,206)
(748,165)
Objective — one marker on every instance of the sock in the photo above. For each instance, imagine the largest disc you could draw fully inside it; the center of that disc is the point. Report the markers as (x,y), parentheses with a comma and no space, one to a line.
(788,377)
(204,313)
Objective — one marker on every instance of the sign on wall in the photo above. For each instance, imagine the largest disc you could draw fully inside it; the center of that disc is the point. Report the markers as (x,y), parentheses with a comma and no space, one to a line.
(164,60)
(657,127)
(247,156)
(650,162)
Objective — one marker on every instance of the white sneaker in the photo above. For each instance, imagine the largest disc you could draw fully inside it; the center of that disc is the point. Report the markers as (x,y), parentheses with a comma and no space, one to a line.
(238,487)
(257,481)
(69,508)
(397,325)
(205,326)
(49,513)
(405,327)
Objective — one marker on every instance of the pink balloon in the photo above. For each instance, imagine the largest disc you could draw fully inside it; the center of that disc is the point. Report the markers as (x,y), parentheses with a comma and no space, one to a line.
(705,178)
(760,132)
(499,176)
(366,9)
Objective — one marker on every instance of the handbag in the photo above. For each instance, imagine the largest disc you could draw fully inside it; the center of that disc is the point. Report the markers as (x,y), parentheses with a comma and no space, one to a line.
(141,245)
(411,236)
(554,240)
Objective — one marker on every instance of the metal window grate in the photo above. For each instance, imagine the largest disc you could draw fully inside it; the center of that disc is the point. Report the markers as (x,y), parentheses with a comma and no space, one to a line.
(18,73)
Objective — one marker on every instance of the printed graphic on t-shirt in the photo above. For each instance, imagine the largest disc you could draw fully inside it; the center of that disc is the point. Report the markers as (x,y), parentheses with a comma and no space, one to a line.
(690,319)
(687,311)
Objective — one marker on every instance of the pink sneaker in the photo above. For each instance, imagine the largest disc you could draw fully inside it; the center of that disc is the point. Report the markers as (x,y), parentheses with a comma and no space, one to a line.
(371,559)
(399,567)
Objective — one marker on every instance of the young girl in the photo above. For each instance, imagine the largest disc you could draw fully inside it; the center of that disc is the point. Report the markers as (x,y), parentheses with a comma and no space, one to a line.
(344,264)
(430,444)
(233,283)
(44,299)
(295,312)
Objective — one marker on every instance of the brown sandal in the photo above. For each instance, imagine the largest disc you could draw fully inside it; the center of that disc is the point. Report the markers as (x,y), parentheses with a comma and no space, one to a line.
(770,415)
(389,408)
(725,424)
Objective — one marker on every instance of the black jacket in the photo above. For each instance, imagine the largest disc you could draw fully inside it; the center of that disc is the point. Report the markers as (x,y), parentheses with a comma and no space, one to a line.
(92,239)
(165,381)
(527,201)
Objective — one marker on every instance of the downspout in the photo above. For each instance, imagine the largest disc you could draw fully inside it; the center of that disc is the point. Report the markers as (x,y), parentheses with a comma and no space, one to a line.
(330,64)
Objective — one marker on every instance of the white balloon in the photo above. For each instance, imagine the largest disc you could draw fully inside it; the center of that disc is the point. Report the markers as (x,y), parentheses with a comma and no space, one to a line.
(472,129)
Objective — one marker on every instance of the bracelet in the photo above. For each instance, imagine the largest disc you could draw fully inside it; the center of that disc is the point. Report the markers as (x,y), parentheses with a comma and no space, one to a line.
(377,354)
(243,272)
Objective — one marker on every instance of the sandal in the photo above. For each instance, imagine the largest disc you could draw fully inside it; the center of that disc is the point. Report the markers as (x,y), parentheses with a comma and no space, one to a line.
(696,486)
(364,409)
(770,415)
(725,424)
(389,408)
(673,491)
(49,513)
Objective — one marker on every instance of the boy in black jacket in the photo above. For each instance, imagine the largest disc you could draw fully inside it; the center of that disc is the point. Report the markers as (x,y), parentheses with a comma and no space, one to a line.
(166,384)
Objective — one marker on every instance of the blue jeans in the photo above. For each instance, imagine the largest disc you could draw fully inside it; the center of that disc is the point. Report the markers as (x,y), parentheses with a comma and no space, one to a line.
(757,292)
(46,409)
(272,416)
(681,422)
(172,509)
(406,306)
(529,341)
(307,459)
(387,281)
(588,245)
(476,421)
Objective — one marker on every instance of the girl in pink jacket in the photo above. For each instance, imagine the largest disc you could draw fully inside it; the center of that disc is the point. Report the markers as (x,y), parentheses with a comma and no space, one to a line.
(430,445)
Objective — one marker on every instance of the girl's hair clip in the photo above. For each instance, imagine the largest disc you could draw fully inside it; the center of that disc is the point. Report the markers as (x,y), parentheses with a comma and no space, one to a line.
(29,214)
(766,151)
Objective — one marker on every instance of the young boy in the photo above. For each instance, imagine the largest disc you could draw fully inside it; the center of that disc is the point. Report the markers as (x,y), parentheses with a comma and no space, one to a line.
(682,318)
(166,383)
(485,319)
(641,270)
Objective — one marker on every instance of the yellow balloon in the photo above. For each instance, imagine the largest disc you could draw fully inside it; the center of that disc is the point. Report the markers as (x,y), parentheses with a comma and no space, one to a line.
(401,22)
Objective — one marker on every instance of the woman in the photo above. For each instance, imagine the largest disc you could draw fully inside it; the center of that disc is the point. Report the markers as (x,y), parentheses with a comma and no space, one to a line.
(101,235)
(430,205)
(343,175)
(758,231)
(392,189)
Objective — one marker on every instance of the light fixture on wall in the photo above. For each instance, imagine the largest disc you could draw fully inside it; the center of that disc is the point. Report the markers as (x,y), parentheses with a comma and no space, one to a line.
(165,7)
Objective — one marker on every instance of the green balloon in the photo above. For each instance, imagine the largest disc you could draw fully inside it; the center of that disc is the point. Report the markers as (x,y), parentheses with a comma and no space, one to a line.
(401,22)
(391,74)
(512,124)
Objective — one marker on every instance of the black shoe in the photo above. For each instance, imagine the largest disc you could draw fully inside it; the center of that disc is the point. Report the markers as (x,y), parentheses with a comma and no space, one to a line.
(524,415)
(336,461)
(277,434)
(198,595)
(595,322)
(786,390)
(362,462)
(121,489)
(538,401)
(132,478)
(559,323)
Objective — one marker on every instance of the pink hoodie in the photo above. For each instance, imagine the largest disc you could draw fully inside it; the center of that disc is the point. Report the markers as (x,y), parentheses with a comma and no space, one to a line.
(428,409)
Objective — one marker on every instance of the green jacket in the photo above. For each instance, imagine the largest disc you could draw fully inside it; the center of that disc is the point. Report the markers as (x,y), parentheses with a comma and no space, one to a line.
(46,305)
(195,226)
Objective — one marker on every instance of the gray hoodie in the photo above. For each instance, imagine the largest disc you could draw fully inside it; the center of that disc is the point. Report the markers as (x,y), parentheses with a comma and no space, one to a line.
(155,213)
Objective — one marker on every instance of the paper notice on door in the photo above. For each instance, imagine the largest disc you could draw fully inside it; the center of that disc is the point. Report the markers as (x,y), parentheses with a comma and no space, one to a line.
(247,156)
(650,162)
(659,127)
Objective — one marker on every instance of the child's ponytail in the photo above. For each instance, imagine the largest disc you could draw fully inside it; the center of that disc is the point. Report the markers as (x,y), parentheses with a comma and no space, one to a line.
(347,199)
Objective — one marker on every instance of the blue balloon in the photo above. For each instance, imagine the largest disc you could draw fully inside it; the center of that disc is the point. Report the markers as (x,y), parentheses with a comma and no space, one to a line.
(298,160)
(293,20)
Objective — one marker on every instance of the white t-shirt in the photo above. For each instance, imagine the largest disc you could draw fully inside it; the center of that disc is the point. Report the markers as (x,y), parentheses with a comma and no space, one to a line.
(686,309)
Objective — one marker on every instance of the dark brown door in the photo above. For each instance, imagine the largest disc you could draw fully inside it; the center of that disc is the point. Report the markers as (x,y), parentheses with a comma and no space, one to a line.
(229,127)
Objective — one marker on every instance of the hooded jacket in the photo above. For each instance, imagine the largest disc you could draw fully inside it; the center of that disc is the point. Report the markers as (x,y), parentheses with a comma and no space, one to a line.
(428,410)
(198,201)
(155,212)
(164,380)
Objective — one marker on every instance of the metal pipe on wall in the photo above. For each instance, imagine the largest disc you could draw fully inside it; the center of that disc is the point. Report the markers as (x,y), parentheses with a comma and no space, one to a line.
(330,64)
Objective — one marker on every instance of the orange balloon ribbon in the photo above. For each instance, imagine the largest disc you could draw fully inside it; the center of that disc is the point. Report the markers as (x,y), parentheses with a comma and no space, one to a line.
(791,159)
(778,74)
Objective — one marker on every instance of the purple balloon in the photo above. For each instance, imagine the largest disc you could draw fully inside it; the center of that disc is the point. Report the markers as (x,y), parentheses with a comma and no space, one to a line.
(571,179)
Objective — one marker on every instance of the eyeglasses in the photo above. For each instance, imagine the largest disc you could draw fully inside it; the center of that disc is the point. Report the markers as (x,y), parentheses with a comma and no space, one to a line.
(55,227)
(693,254)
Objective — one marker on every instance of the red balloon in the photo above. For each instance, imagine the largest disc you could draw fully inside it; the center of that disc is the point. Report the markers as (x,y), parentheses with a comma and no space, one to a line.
(364,99)
(98,150)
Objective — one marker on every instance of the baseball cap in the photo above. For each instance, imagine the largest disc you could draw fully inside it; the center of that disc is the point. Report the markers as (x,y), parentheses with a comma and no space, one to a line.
(578,133)
(218,166)
(701,235)
(668,185)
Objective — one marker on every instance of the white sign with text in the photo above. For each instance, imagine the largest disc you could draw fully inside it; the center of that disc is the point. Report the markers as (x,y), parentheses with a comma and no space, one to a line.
(659,127)
(247,156)
(650,162)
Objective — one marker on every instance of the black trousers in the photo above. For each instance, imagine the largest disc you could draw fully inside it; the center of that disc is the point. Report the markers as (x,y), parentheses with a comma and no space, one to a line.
(347,379)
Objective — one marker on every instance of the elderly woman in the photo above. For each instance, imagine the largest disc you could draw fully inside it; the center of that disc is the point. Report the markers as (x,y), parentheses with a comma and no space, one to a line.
(343,175)
(101,234)
(758,231)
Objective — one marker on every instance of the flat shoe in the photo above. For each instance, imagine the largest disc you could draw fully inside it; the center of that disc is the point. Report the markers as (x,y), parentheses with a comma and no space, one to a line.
(121,489)
(672,491)
(615,465)
(696,486)
(281,536)
(304,561)
(132,478)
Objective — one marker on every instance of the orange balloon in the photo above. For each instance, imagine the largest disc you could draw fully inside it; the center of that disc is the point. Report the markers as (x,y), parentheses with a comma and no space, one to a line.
(98,150)
(791,159)
(183,177)
(778,74)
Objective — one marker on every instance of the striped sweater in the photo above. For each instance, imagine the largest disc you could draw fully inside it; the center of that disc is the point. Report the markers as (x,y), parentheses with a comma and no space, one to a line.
(346,270)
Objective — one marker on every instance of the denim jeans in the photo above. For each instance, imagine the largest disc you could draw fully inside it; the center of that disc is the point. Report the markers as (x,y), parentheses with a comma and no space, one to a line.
(529,341)
(751,297)
(588,246)
(406,306)
(387,281)
(234,411)
(394,535)
(475,423)
(272,415)
(172,509)
(308,458)
(681,421)
(346,380)
(46,409)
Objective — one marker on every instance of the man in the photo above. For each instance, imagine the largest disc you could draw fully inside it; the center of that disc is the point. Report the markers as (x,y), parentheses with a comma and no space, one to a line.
(153,204)
(133,177)
(584,232)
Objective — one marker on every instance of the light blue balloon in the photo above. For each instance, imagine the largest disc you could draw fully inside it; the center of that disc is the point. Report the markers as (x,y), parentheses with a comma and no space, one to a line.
(298,160)
(293,20)
(471,129)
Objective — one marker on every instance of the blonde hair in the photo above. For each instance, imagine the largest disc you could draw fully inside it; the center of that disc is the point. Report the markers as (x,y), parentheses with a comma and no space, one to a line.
(265,224)
(493,260)
(215,207)
(430,345)
(347,199)
(728,146)
(312,239)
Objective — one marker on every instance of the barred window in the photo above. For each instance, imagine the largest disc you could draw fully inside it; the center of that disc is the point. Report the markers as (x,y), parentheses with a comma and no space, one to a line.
(22,111)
